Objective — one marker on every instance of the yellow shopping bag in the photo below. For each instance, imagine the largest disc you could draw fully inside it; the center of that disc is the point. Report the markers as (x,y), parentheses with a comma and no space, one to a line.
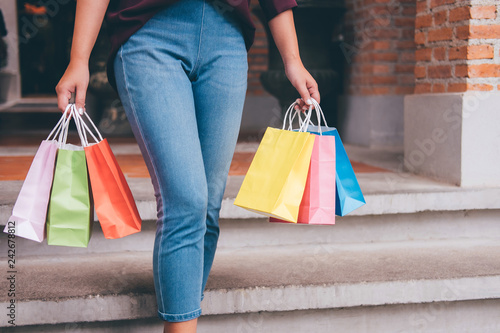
(276,179)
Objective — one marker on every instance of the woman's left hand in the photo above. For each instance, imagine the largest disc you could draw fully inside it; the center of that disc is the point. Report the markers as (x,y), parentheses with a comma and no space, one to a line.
(304,83)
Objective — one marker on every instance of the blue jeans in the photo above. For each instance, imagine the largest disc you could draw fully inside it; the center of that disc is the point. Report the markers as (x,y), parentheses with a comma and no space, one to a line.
(182,81)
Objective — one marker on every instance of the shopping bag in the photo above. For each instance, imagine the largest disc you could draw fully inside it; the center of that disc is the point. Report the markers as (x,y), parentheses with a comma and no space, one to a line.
(318,202)
(114,204)
(348,193)
(70,214)
(30,210)
(276,178)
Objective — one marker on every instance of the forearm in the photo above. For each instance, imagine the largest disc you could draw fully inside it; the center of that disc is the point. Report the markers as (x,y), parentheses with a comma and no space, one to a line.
(88,20)
(283,30)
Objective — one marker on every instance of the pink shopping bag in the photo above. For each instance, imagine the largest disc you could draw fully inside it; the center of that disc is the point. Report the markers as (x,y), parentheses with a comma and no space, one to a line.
(318,201)
(30,210)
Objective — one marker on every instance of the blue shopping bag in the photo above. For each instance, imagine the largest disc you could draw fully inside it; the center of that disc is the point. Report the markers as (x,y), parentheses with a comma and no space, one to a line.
(348,195)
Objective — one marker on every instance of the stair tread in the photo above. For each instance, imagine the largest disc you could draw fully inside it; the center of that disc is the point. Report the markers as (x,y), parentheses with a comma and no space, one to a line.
(390,192)
(385,193)
(46,278)
(119,286)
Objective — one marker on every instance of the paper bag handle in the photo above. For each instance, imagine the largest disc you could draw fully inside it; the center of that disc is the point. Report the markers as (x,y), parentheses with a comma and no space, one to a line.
(83,128)
(57,129)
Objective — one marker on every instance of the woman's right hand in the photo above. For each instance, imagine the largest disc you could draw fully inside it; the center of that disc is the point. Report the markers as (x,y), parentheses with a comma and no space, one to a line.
(74,80)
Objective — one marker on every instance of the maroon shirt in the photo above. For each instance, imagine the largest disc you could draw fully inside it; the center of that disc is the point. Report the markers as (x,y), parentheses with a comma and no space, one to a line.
(125,17)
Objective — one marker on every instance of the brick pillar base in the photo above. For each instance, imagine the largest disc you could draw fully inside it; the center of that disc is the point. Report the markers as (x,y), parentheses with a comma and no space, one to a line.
(379,51)
(452,122)
(372,120)
(454,138)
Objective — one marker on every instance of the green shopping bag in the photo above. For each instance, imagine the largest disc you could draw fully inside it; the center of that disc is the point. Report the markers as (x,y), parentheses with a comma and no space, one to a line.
(70,213)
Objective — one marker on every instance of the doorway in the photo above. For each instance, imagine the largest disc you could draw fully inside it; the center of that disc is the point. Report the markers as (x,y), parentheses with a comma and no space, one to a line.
(37,42)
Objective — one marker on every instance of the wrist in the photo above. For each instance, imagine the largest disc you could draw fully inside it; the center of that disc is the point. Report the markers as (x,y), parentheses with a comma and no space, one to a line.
(292,61)
(79,61)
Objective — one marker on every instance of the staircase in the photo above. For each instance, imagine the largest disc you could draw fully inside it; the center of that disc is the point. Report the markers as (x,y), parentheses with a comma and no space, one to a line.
(421,256)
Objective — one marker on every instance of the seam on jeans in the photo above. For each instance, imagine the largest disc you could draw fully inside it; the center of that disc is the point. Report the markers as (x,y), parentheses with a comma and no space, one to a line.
(196,64)
(139,128)
(180,317)
(180,314)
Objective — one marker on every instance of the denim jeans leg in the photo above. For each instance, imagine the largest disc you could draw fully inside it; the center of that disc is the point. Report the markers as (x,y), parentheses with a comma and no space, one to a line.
(183,95)
(166,123)
(219,93)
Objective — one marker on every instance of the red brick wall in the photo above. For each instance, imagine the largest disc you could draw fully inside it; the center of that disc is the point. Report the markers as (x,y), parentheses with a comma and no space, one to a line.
(257,59)
(380,47)
(456,46)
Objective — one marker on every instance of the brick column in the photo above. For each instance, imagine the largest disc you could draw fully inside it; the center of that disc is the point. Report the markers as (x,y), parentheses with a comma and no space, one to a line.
(380,58)
(456,43)
(381,46)
(257,60)
(452,120)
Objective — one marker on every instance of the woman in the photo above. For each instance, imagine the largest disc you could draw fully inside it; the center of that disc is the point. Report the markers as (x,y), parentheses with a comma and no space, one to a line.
(180,68)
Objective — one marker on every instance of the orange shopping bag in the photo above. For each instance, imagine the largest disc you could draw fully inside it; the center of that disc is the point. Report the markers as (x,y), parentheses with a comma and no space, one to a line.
(114,204)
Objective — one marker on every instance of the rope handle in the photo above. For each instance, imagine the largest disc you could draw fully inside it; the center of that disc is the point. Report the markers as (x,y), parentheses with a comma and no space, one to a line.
(83,128)
(57,129)
(303,124)
(290,115)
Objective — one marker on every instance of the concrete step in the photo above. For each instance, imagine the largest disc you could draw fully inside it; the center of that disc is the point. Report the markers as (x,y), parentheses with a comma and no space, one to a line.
(385,193)
(386,287)
(249,233)
(399,207)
